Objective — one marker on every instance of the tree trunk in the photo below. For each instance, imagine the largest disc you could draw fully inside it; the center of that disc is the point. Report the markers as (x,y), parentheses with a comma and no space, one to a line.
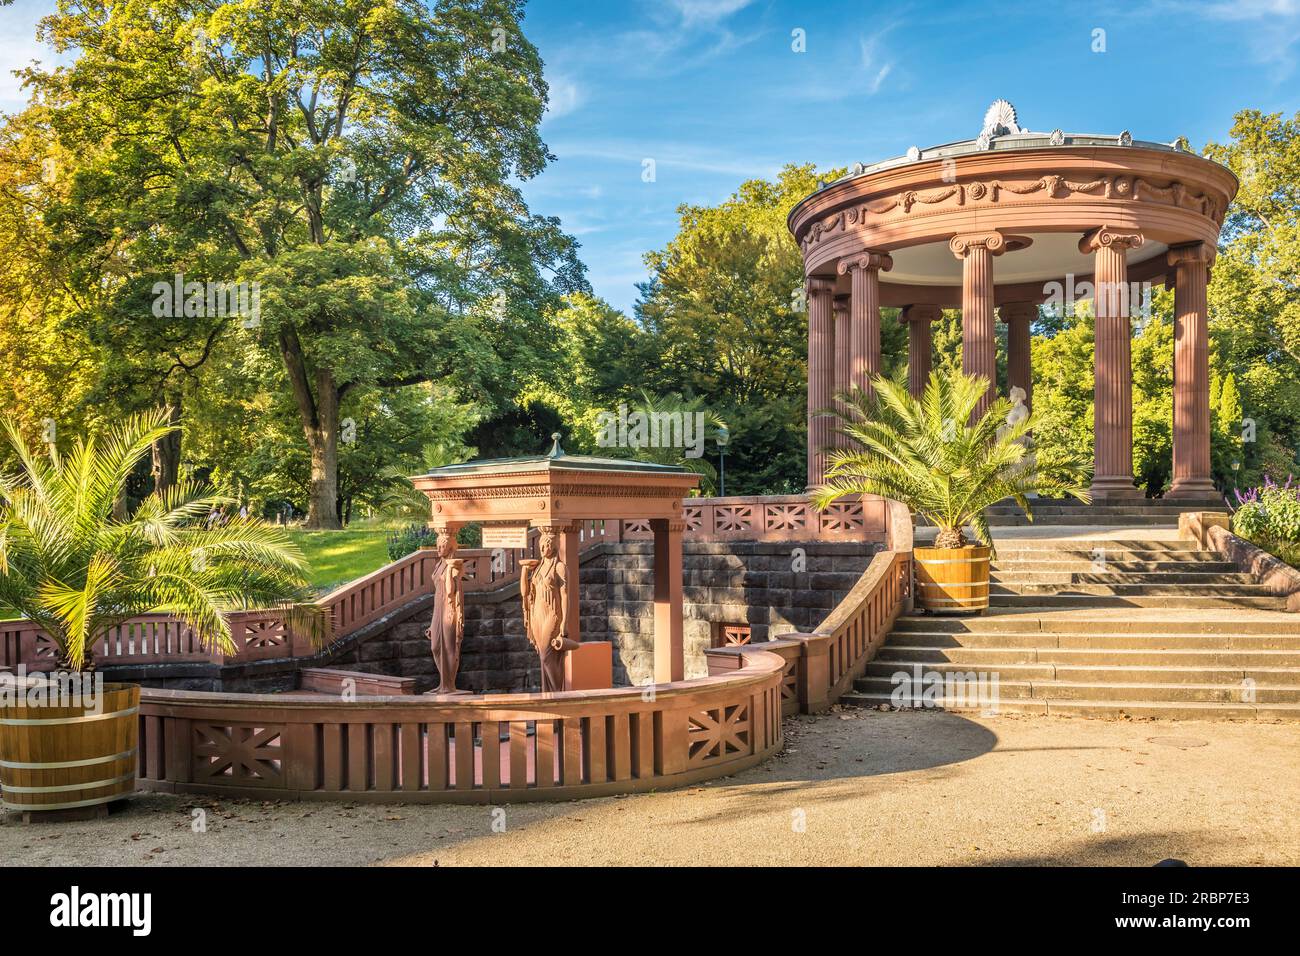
(167,451)
(318,408)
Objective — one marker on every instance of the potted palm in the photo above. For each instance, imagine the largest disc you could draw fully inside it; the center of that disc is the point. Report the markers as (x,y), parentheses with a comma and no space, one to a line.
(935,455)
(75,570)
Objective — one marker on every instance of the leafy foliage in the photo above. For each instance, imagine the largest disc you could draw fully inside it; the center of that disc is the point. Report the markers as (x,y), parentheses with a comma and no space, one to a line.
(931,454)
(70,566)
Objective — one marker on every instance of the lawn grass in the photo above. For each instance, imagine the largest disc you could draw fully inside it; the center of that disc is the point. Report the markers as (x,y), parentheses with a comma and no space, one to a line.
(336,557)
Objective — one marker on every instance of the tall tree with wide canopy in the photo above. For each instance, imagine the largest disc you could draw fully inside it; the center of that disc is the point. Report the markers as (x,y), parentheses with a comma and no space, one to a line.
(357,160)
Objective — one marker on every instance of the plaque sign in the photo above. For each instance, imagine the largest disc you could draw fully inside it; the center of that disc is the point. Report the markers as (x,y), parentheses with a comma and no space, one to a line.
(505,536)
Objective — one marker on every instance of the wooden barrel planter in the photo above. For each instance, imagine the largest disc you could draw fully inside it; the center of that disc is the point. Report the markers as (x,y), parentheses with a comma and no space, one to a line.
(952,580)
(69,758)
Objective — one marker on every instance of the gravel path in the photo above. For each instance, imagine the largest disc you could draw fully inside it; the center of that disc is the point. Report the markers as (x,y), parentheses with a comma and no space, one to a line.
(853,787)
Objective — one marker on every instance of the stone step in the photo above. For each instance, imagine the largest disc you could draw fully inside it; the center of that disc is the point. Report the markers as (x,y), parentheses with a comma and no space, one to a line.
(993,656)
(1115,690)
(1112,709)
(1088,545)
(1098,673)
(1005,620)
(1097,640)
(1035,576)
(1084,589)
(1176,601)
(1197,565)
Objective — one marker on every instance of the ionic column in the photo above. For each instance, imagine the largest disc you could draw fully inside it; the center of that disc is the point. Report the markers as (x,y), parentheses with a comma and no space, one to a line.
(1019,317)
(843,356)
(978,348)
(918,319)
(1191,372)
(864,347)
(821,372)
(1113,390)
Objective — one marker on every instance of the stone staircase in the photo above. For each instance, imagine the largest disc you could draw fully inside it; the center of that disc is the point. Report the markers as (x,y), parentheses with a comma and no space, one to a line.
(1143,627)
(1140,512)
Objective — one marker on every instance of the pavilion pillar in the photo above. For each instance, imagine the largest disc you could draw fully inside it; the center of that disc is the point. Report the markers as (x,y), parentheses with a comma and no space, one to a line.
(568,554)
(864,348)
(1113,376)
(821,373)
(843,357)
(919,319)
(670,658)
(1191,477)
(1019,317)
(978,338)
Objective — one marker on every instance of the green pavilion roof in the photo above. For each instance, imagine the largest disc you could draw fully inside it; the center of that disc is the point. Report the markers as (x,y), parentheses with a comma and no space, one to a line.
(554,460)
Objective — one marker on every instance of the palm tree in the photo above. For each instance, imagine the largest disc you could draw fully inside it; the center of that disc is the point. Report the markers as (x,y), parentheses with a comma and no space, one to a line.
(931,454)
(72,567)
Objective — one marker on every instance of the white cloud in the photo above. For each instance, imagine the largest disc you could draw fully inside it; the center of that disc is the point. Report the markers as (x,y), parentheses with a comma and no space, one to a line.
(707,11)
(565,96)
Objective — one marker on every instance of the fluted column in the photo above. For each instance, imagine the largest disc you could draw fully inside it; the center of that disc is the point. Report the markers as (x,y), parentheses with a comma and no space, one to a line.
(1191,372)
(864,348)
(1019,317)
(1113,390)
(918,319)
(821,374)
(843,355)
(978,346)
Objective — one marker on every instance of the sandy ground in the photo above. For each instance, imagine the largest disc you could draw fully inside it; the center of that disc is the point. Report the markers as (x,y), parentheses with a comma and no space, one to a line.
(853,787)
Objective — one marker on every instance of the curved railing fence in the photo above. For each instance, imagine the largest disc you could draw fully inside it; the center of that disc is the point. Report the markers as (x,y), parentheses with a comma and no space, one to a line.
(505,748)
(501,748)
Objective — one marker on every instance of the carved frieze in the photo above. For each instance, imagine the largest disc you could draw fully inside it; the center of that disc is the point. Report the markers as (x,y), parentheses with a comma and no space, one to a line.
(991,191)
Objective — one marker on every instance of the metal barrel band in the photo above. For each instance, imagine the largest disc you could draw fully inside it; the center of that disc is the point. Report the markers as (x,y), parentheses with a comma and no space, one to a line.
(66,787)
(50,721)
(65,764)
(928,561)
(69,805)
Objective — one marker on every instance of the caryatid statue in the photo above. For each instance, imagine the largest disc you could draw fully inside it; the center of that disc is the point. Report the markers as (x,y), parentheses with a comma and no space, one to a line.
(447,629)
(544,590)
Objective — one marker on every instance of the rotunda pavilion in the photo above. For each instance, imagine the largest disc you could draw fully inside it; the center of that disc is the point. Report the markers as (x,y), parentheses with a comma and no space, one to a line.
(996,226)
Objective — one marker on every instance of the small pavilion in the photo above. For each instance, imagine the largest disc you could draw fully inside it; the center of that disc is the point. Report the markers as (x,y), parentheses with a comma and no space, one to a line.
(996,226)
(563,494)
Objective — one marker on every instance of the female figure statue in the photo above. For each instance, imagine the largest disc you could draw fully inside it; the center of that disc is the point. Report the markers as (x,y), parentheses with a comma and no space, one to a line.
(544,591)
(447,628)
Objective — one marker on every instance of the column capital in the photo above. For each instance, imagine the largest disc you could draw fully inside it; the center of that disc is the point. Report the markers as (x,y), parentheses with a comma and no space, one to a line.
(1106,237)
(840,305)
(1202,253)
(1018,312)
(961,245)
(920,312)
(820,285)
(878,261)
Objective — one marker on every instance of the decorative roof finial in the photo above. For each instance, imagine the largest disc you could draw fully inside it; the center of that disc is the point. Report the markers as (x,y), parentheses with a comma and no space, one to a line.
(1000,120)
(556,451)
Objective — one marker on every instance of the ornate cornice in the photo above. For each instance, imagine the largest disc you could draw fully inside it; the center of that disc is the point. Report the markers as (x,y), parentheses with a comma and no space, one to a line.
(990,192)
(1197,252)
(1104,237)
(880,261)
(993,241)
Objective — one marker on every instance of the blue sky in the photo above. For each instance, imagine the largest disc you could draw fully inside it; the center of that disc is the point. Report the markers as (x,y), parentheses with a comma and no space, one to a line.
(713,92)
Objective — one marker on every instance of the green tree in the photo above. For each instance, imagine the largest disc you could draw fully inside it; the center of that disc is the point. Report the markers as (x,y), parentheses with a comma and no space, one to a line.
(355,159)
